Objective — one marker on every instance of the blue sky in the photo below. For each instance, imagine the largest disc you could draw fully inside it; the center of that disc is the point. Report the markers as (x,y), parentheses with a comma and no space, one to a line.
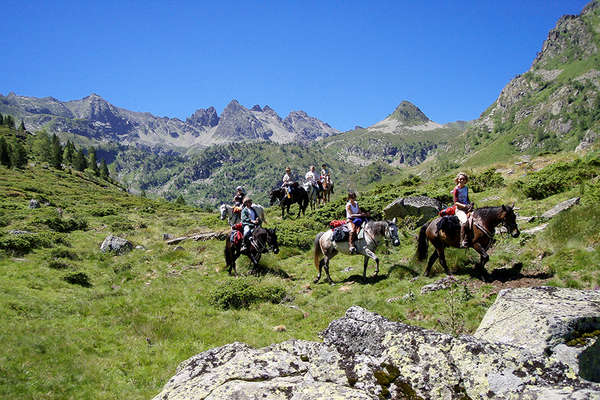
(346,62)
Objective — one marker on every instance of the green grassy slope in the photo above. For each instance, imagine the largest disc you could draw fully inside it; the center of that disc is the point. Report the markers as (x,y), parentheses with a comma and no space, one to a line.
(123,324)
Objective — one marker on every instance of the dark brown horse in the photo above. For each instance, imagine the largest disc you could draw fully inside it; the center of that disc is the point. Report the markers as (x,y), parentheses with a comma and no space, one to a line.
(298,195)
(444,232)
(261,241)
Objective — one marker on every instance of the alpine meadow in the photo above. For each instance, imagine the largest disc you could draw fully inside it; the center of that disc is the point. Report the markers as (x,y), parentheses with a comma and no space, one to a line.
(112,267)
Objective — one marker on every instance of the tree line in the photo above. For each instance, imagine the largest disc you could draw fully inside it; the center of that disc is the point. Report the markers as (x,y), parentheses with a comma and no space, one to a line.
(45,148)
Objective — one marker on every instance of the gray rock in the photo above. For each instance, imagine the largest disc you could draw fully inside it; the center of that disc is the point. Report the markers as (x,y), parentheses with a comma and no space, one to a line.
(560,207)
(420,206)
(440,284)
(116,245)
(167,236)
(19,232)
(536,229)
(33,203)
(365,356)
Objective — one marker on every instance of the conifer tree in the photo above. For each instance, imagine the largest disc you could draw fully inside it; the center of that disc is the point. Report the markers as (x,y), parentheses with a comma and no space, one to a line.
(93,163)
(104,170)
(56,152)
(9,121)
(19,156)
(69,153)
(1,119)
(4,152)
(42,147)
(79,161)
(22,126)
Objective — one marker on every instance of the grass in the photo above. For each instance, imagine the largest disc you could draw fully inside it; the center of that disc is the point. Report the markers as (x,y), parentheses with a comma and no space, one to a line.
(123,335)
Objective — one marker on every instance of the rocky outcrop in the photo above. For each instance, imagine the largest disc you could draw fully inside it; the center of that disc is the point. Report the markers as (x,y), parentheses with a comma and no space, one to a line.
(560,207)
(419,206)
(365,356)
(204,117)
(115,244)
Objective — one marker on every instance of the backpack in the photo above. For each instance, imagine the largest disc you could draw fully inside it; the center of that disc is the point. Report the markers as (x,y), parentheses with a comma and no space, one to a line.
(337,222)
(340,233)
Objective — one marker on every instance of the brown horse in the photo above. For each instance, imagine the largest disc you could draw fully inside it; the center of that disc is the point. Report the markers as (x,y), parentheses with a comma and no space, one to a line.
(261,241)
(444,232)
(327,191)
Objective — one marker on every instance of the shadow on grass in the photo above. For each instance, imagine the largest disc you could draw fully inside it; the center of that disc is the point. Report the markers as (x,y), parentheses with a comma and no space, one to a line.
(262,270)
(403,271)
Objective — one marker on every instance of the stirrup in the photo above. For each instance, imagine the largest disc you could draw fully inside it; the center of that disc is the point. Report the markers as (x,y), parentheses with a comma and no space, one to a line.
(352,250)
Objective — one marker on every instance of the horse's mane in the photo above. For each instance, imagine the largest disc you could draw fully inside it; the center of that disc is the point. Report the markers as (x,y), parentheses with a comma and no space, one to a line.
(486,211)
(380,226)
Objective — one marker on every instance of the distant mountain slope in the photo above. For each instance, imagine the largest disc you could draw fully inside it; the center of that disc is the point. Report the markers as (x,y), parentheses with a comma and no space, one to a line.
(555,105)
(93,118)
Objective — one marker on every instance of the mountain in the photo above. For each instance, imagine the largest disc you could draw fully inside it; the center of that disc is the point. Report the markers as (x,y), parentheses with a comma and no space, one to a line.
(93,118)
(553,106)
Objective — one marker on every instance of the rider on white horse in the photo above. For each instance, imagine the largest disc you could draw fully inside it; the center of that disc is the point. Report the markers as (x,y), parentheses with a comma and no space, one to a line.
(312,179)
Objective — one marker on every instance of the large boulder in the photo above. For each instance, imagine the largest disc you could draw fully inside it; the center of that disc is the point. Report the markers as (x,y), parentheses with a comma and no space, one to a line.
(365,356)
(419,206)
(116,245)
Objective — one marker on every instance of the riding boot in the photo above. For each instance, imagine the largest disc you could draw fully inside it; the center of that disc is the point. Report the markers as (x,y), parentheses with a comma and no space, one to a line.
(245,244)
(351,238)
(464,240)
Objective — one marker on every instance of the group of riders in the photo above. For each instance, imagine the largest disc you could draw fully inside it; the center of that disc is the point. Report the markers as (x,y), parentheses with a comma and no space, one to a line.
(355,217)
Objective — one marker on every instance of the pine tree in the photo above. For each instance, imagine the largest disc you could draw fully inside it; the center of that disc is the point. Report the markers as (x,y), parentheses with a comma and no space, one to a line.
(22,126)
(56,153)
(19,156)
(104,170)
(79,161)
(4,152)
(92,161)
(9,121)
(42,147)
(1,119)
(69,153)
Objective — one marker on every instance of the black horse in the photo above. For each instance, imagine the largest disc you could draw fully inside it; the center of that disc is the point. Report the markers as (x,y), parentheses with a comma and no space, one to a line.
(298,195)
(444,232)
(261,241)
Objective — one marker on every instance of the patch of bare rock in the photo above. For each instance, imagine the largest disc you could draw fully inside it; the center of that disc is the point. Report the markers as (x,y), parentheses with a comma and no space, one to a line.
(517,352)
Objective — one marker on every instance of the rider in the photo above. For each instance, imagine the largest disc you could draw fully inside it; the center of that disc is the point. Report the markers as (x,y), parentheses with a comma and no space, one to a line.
(463,205)
(312,179)
(287,181)
(325,178)
(249,221)
(238,199)
(355,218)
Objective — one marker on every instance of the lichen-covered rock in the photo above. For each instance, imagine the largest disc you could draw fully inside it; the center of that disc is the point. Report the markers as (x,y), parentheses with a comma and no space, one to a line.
(116,245)
(560,207)
(419,206)
(365,356)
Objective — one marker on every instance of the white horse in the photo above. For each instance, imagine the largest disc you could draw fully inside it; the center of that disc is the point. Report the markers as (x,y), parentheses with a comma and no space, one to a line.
(373,232)
(233,218)
(313,194)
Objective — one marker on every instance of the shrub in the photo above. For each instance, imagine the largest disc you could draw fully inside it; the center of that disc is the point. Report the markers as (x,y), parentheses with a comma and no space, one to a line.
(66,225)
(557,178)
(486,180)
(24,243)
(238,293)
(78,278)
(63,252)
(121,226)
(102,211)
(58,264)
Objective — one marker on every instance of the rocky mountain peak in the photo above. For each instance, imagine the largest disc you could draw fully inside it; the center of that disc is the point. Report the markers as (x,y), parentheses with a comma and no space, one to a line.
(204,117)
(256,107)
(233,107)
(408,113)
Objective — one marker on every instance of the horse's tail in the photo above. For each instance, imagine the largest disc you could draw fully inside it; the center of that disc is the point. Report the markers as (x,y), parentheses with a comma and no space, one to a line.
(318,253)
(422,243)
(331,190)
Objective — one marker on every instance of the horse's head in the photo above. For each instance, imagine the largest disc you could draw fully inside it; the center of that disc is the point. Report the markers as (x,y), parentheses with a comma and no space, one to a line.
(392,232)
(509,220)
(274,196)
(272,240)
(223,211)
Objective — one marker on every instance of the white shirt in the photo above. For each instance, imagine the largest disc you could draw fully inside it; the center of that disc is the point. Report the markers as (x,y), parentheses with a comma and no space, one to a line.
(286,178)
(310,177)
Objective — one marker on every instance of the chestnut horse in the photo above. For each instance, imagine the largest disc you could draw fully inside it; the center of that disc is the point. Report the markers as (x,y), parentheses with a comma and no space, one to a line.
(444,232)
(261,241)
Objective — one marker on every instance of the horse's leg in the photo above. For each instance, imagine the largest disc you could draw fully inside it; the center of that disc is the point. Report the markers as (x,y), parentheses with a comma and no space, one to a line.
(483,259)
(371,255)
(321,262)
(432,259)
(442,257)
(327,270)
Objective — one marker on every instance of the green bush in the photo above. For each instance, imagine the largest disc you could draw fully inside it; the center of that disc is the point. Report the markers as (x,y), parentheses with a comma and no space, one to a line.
(102,211)
(559,177)
(66,225)
(63,252)
(486,180)
(58,264)
(241,292)
(78,278)
(24,243)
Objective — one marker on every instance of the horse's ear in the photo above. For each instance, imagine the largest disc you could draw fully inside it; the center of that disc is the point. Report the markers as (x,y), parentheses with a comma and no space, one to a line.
(513,205)
(395,221)
(504,207)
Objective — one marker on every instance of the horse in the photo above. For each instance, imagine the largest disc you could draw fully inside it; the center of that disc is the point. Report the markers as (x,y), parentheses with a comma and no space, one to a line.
(226,211)
(298,195)
(444,232)
(261,241)
(313,194)
(327,191)
(373,232)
